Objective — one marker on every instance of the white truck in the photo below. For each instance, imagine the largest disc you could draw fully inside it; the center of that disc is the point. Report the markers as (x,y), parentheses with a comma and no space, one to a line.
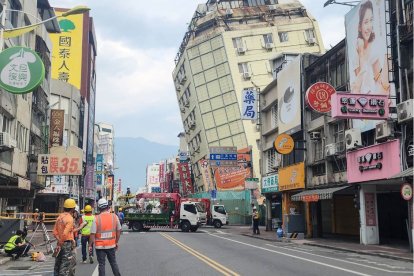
(216,213)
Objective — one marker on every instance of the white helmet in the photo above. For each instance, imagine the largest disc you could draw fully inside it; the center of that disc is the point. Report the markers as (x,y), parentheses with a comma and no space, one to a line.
(102,203)
(77,208)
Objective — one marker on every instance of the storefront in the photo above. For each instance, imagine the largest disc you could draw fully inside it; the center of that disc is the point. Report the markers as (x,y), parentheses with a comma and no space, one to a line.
(270,189)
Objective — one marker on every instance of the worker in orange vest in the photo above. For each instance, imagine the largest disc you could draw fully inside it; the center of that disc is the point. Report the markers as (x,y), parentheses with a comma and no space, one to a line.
(105,233)
(63,231)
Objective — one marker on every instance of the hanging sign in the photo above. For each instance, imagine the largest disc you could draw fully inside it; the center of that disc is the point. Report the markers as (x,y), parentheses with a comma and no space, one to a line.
(318,97)
(21,70)
(357,106)
(249,105)
(407,191)
(284,144)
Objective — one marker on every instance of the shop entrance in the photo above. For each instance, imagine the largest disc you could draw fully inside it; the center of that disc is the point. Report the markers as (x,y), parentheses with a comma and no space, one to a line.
(392,216)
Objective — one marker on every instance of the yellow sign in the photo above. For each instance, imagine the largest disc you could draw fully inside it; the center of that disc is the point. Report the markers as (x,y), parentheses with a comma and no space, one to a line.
(67,50)
(284,144)
(292,177)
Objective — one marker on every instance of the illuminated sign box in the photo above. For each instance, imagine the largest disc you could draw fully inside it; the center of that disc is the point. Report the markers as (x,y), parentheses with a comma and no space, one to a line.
(357,106)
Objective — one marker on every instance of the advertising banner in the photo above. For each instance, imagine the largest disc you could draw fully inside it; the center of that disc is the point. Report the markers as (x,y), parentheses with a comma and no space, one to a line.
(57,126)
(99,170)
(366,45)
(348,106)
(270,184)
(161,176)
(249,105)
(292,177)
(23,183)
(56,185)
(61,162)
(233,178)
(185,178)
(379,161)
(288,89)
(205,169)
(67,49)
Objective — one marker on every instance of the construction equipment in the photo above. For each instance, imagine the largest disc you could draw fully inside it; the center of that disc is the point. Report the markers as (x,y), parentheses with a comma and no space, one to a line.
(46,238)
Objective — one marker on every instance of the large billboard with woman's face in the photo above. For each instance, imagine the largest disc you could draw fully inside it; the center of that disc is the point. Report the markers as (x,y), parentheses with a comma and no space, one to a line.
(366,43)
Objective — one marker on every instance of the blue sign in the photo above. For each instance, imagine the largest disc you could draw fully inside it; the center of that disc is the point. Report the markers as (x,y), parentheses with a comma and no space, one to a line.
(155,189)
(223,156)
(213,194)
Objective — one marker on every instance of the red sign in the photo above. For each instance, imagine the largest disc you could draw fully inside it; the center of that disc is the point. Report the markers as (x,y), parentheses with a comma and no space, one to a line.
(318,96)
(359,106)
(162,176)
(185,178)
(370,212)
(310,198)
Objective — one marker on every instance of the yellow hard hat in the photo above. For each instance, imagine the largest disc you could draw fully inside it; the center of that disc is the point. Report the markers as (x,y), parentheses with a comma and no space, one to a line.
(69,203)
(88,208)
(120,209)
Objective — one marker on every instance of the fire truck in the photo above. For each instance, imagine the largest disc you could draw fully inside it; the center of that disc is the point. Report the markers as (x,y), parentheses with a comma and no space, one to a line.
(165,210)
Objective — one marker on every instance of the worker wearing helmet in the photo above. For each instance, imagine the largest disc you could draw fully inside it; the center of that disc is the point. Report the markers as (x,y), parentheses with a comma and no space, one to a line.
(105,233)
(63,231)
(85,225)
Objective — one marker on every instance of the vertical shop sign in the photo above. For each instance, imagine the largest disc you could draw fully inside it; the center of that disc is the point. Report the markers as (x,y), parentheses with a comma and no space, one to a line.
(162,176)
(57,121)
(249,104)
(185,178)
(370,212)
(206,173)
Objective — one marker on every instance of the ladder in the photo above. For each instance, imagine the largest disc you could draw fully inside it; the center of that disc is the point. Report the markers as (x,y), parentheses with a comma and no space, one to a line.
(46,238)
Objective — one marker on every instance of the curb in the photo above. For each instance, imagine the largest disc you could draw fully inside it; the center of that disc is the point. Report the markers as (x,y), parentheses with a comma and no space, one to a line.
(5,260)
(361,252)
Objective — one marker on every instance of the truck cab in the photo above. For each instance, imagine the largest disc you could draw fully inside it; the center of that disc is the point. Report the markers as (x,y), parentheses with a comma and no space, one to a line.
(192,216)
(219,216)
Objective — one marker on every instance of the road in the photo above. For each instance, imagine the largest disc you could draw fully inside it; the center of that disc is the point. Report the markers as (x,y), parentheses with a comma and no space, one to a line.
(220,252)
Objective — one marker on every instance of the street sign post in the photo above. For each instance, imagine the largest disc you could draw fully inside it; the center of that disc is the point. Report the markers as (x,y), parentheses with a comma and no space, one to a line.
(223,156)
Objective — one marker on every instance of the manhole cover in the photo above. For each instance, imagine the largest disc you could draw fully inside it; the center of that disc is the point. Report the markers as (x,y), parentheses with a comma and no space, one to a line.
(19,268)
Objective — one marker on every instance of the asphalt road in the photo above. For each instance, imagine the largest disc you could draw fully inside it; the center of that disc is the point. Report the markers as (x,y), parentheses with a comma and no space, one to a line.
(220,252)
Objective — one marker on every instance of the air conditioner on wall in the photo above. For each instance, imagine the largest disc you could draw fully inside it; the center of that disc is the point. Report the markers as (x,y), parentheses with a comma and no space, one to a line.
(241,50)
(352,138)
(311,40)
(330,149)
(383,130)
(6,141)
(269,46)
(315,135)
(182,109)
(271,7)
(246,75)
(405,110)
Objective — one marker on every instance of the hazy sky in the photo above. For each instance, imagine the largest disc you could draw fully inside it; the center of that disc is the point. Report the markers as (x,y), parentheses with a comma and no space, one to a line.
(137,43)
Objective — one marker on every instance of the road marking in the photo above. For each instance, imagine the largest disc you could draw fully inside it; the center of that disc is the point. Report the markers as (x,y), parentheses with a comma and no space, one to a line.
(339,260)
(293,256)
(96,271)
(219,267)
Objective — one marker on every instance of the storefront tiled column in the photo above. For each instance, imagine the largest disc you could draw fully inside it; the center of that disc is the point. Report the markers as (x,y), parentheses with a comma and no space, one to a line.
(368,214)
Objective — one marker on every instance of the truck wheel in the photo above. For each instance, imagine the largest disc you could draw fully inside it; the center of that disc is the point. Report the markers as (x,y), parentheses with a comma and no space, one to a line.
(185,226)
(217,224)
(137,226)
(194,228)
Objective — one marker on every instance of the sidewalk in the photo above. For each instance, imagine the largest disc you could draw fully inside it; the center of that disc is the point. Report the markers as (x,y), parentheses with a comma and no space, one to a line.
(387,251)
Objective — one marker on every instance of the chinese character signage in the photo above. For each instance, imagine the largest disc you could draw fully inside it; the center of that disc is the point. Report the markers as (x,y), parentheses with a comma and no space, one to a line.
(270,184)
(288,90)
(318,97)
(206,173)
(355,106)
(249,105)
(223,156)
(57,121)
(370,212)
(21,70)
(379,161)
(58,184)
(61,162)
(162,177)
(67,49)
(292,177)
(185,178)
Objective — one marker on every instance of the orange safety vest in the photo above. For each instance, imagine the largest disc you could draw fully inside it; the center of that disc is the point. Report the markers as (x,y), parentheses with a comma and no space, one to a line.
(105,236)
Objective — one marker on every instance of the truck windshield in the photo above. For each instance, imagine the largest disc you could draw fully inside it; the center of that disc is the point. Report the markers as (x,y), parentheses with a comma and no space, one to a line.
(200,208)
(220,209)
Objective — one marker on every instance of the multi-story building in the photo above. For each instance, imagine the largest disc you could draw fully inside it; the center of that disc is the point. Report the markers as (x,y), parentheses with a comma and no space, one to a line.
(23,129)
(152,184)
(225,50)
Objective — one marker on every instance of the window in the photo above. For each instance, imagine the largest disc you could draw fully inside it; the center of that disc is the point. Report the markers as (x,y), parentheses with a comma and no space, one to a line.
(6,125)
(309,34)
(13,15)
(339,136)
(244,67)
(237,42)
(283,36)
(190,208)
(21,137)
(220,209)
(318,150)
(106,130)
(272,160)
(268,38)
(339,165)
(319,169)
(274,116)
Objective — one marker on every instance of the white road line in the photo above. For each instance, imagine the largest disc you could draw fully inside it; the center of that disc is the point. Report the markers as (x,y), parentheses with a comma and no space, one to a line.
(296,257)
(96,271)
(340,260)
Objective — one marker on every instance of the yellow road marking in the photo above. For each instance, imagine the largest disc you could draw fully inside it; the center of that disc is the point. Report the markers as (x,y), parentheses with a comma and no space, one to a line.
(219,267)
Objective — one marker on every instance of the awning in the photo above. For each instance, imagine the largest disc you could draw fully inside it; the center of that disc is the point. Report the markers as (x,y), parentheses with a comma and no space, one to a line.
(406,173)
(315,195)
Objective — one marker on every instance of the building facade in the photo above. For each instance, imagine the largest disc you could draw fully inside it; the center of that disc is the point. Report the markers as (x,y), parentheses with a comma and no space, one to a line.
(225,50)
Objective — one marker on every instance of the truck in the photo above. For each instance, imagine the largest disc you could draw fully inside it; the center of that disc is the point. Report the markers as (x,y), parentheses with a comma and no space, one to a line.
(164,210)
(216,214)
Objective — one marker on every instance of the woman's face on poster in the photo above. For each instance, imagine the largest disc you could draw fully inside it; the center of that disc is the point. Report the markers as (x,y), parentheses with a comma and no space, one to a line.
(366,25)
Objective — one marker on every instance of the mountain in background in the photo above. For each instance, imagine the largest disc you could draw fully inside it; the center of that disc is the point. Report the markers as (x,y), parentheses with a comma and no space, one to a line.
(132,155)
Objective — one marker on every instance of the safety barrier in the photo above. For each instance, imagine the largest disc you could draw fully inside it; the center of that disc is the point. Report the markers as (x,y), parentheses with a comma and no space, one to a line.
(30,217)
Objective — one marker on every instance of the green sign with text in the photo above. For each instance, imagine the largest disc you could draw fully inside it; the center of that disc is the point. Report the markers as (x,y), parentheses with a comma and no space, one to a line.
(21,70)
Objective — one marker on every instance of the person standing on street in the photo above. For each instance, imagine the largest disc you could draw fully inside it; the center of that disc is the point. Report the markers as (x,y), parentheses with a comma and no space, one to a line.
(86,225)
(256,221)
(121,216)
(105,233)
(63,231)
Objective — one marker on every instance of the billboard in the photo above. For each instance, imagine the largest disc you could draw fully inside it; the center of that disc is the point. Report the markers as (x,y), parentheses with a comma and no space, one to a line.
(58,184)
(205,170)
(366,43)
(292,177)
(61,162)
(288,90)
(67,49)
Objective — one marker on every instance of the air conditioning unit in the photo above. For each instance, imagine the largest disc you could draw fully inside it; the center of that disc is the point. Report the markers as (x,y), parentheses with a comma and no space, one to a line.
(241,50)
(315,135)
(330,149)
(383,130)
(182,109)
(311,40)
(405,110)
(269,46)
(178,88)
(6,140)
(246,75)
(187,103)
(192,125)
(271,7)
(183,79)
(352,138)
(229,12)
